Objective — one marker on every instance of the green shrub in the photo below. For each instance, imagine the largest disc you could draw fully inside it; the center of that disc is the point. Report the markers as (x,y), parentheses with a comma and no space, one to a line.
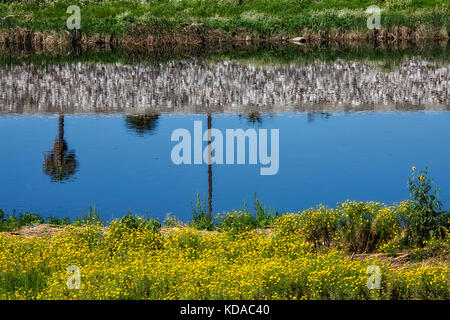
(91,218)
(132,221)
(287,224)
(424,218)
(264,217)
(319,226)
(9,223)
(201,217)
(58,221)
(358,226)
(188,239)
(29,283)
(236,222)
(28,219)
(142,233)
(13,222)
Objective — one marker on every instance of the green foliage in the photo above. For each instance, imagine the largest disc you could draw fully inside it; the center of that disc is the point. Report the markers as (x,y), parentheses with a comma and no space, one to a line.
(92,217)
(264,54)
(239,221)
(187,239)
(132,221)
(29,282)
(14,221)
(236,222)
(202,219)
(319,226)
(425,218)
(264,17)
(357,227)
(58,221)
(354,226)
(263,216)
(28,219)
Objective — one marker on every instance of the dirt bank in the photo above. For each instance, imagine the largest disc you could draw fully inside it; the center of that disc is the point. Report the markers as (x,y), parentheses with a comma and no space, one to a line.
(198,34)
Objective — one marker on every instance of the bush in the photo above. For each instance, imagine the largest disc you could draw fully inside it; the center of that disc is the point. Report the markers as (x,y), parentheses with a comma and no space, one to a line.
(264,217)
(132,233)
(288,224)
(58,221)
(188,239)
(13,222)
(91,218)
(201,217)
(242,220)
(424,218)
(132,221)
(358,226)
(319,226)
(28,219)
(236,222)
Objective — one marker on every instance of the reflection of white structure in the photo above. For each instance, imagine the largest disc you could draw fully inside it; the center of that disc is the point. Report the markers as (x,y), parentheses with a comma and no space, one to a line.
(225,86)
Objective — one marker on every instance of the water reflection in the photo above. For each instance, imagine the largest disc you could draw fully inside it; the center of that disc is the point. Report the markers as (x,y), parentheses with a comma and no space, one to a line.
(209,164)
(313,115)
(254,118)
(360,156)
(143,123)
(225,86)
(60,163)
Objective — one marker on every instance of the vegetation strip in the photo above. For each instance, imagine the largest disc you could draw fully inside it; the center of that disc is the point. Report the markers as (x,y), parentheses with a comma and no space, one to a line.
(131,23)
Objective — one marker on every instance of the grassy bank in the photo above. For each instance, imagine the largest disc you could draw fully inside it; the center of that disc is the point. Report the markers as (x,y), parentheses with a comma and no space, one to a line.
(199,21)
(320,253)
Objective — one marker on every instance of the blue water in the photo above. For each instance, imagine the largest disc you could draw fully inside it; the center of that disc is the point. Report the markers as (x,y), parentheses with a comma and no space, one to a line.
(323,159)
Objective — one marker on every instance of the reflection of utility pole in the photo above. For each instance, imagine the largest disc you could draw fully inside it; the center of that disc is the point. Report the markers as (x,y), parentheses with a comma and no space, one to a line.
(209,165)
(59,146)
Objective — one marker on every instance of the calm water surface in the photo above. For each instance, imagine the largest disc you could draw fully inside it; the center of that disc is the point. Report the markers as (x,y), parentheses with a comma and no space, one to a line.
(120,163)
(352,121)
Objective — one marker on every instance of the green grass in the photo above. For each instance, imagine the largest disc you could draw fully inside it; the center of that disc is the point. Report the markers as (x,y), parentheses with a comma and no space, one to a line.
(388,58)
(13,222)
(266,17)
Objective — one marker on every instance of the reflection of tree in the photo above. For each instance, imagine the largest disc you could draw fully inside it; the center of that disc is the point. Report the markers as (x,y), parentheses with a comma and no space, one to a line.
(60,163)
(253,117)
(323,115)
(144,123)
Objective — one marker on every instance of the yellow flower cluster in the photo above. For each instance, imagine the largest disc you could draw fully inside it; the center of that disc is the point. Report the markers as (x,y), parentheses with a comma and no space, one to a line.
(121,262)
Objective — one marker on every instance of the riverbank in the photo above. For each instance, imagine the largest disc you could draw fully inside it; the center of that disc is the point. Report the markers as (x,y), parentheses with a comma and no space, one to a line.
(158,23)
(320,253)
(124,261)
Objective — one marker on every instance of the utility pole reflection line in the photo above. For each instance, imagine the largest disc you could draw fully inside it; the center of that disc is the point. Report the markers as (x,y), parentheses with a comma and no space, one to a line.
(209,165)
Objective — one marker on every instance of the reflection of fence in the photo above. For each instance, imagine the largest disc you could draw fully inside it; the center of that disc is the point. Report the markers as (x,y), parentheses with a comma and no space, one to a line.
(224,87)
